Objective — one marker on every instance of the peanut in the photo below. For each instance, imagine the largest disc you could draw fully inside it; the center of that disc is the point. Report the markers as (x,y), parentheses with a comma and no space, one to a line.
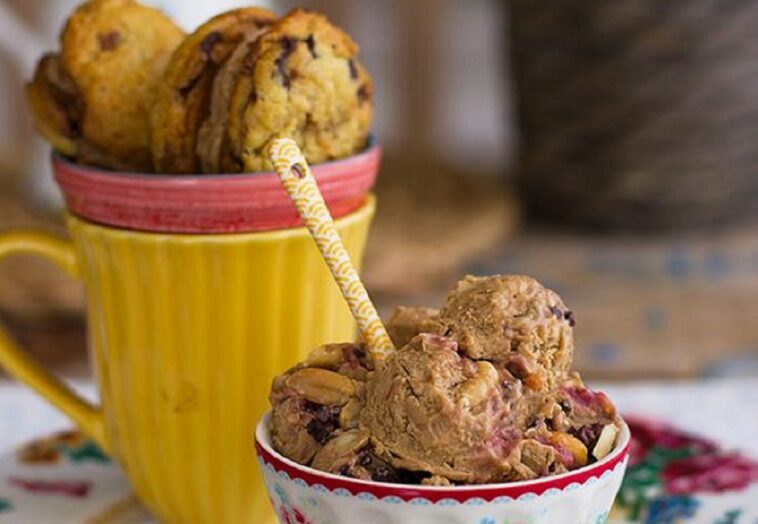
(322,386)
(349,441)
(605,441)
(349,414)
(328,356)
(572,444)
(478,388)
(339,449)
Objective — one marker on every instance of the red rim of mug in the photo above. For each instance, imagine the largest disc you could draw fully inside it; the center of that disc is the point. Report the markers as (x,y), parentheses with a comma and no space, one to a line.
(227,203)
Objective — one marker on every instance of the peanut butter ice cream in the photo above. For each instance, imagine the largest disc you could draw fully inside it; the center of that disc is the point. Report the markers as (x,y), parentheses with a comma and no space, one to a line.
(478,392)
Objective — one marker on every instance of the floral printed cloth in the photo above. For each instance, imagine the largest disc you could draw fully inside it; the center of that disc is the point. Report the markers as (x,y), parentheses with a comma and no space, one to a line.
(705,474)
(675,477)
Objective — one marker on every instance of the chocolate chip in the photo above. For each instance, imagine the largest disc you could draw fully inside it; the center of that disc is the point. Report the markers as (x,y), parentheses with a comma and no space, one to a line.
(288,45)
(569,315)
(319,431)
(365,459)
(557,312)
(345,471)
(311,42)
(321,412)
(209,42)
(353,69)
(190,85)
(283,73)
(384,473)
(589,434)
(325,420)
(364,93)
(108,41)
(248,63)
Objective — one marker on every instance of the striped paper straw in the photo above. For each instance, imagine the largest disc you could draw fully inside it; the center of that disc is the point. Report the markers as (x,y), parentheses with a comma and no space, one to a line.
(297,179)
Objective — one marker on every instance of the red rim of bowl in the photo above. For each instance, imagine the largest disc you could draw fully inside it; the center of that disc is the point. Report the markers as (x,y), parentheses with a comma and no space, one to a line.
(224,203)
(406,492)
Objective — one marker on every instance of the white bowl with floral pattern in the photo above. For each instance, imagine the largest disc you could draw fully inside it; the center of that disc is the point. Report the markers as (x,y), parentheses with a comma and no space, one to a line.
(303,495)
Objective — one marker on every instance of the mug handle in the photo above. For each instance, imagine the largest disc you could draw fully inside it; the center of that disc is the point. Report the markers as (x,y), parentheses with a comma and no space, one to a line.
(23,367)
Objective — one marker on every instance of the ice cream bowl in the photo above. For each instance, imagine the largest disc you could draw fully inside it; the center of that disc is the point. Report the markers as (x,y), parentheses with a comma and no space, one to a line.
(304,495)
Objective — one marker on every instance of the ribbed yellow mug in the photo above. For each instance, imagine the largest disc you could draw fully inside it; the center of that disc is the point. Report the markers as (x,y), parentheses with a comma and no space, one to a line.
(186,332)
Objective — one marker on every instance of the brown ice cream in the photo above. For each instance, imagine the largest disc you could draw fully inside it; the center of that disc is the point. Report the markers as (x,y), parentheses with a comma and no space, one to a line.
(478,392)
(505,318)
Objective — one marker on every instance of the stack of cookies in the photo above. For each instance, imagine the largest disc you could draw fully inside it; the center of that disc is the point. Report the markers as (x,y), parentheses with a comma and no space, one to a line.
(129,91)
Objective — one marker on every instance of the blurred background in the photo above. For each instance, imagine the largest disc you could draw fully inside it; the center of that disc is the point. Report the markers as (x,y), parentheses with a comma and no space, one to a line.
(609,149)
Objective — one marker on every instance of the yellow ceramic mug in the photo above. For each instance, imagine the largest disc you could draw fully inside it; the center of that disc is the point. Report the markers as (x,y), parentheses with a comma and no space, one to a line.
(186,332)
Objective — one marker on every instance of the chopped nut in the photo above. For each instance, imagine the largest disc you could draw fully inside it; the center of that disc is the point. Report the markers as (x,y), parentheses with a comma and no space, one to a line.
(349,414)
(605,441)
(339,448)
(328,356)
(535,381)
(479,387)
(349,441)
(572,444)
(322,386)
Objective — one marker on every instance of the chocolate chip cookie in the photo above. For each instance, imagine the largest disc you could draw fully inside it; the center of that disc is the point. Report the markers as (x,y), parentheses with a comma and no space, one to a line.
(300,79)
(184,97)
(93,99)
(52,97)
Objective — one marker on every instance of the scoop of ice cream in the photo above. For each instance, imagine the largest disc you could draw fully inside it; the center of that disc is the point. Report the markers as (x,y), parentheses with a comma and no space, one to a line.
(407,322)
(512,319)
(438,411)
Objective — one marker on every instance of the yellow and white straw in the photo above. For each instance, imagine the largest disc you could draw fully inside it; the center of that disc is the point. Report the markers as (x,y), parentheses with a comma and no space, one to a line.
(297,179)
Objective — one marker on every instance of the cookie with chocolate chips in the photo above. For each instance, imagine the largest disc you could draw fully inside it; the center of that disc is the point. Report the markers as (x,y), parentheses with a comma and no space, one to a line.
(93,99)
(183,102)
(300,79)
(50,95)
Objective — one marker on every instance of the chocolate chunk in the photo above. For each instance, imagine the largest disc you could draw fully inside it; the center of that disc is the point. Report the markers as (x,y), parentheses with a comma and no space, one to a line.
(209,42)
(108,41)
(364,93)
(325,420)
(588,434)
(360,353)
(380,470)
(353,69)
(569,316)
(248,63)
(190,85)
(557,312)
(384,473)
(288,46)
(320,431)
(365,459)
(321,412)
(311,42)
